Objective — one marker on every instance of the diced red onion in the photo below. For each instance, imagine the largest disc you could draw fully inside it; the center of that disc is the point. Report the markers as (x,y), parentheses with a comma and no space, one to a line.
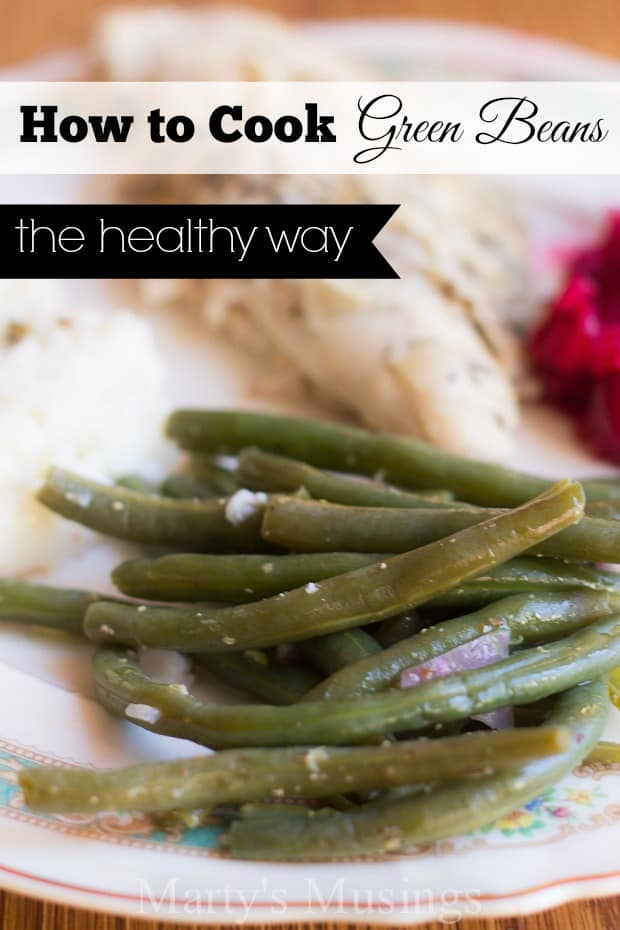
(484,650)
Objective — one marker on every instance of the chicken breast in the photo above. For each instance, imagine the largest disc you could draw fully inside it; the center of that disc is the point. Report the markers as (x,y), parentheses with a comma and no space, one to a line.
(167,43)
(429,355)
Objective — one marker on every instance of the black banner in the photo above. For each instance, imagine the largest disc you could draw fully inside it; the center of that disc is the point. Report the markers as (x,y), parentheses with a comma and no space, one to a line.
(183,241)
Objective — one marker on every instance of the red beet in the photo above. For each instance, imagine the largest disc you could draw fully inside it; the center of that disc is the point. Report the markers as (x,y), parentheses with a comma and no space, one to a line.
(576,347)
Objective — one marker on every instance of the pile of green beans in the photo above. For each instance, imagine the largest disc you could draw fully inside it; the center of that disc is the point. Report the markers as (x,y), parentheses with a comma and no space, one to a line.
(525,677)
(312,571)
(391,825)
(530,619)
(365,595)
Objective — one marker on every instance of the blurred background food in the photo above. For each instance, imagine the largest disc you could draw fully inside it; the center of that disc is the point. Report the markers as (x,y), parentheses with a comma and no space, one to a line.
(430,355)
(33,27)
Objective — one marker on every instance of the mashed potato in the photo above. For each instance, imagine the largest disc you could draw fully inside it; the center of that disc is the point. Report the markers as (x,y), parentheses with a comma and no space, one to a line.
(79,388)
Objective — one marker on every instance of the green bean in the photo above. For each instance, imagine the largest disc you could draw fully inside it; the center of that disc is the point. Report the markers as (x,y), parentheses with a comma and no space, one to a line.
(533,715)
(179,820)
(236,578)
(604,753)
(395,629)
(221,481)
(367,594)
(391,825)
(525,677)
(605,510)
(237,776)
(41,605)
(265,472)
(527,574)
(279,811)
(530,619)
(316,526)
(337,650)
(407,462)
(436,495)
(605,482)
(184,487)
(137,483)
(64,609)
(614,687)
(257,673)
(143,518)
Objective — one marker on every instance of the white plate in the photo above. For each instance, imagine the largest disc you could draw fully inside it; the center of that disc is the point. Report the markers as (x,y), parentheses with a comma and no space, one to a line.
(563,847)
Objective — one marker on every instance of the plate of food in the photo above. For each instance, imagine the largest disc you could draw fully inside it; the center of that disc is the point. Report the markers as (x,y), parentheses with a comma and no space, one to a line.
(308,592)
